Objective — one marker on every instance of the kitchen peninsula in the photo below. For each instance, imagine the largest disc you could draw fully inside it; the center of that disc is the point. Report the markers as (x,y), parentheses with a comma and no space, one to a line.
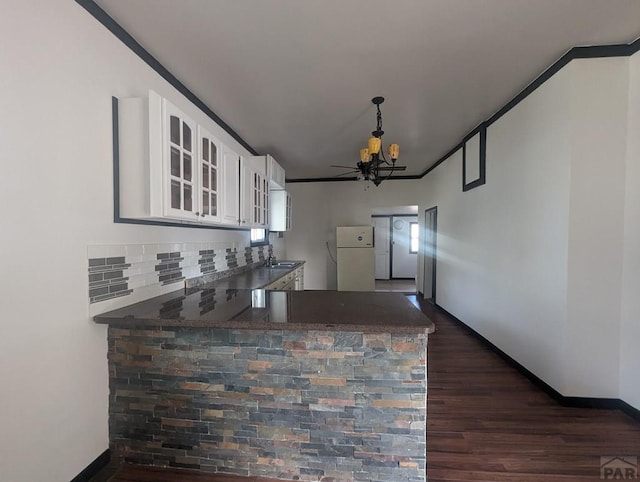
(295,385)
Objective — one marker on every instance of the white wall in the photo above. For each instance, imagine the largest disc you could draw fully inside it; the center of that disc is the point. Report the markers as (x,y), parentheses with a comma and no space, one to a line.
(599,96)
(502,247)
(60,69)
(318,208)
(533,259)
(310,232)
(630,306)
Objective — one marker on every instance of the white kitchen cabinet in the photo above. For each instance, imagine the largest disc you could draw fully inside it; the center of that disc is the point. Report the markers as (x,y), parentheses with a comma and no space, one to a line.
(156,155)
(171,168)
(280,210)
(231,199)
(299,279)
(275,173)
(291,281)
(211,177)
(254,193)
(180,176)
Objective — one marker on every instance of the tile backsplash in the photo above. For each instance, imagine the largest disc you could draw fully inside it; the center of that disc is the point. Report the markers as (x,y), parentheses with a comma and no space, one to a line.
(120,275)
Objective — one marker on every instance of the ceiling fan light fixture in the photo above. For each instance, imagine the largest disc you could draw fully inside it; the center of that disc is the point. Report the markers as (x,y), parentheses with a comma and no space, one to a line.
(374,165)
(372,158)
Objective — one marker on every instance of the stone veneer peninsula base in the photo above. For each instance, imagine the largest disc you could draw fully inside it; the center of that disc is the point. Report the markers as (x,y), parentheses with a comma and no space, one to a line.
(335,402)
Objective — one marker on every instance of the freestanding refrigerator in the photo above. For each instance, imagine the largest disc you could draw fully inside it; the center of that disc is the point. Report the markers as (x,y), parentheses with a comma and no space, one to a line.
(356,259)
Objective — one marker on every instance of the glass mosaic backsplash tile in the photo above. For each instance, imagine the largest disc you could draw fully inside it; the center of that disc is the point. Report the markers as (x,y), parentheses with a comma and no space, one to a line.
(106,278)
(120,275)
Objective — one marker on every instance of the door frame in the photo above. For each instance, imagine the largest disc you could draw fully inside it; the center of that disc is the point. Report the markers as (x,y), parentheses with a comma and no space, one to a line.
(434,247)
(390,216)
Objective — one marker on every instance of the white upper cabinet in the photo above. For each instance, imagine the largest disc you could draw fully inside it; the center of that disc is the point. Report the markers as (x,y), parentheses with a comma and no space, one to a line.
(179,172)
(211,177)
(231,200)
(171,168)
(275,173)
(254,192)
(280,210)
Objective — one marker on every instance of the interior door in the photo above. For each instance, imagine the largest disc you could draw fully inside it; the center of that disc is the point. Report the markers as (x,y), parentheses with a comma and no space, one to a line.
(382,243)
(430,233)
(404,262)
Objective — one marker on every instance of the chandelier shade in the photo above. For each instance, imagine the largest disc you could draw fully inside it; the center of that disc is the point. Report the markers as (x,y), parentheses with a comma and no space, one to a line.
(374,145)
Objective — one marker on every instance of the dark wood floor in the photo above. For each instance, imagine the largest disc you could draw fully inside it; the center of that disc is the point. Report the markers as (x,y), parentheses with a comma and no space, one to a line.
(485,422)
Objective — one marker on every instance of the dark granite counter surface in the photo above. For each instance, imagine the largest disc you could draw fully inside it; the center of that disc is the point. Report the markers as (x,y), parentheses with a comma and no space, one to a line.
(238,302)
(252,279)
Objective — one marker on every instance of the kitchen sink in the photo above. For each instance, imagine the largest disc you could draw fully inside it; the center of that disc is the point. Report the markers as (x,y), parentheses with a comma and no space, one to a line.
(283,265)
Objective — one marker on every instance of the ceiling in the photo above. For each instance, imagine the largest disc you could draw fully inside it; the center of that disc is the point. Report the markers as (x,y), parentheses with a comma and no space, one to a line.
(295,78)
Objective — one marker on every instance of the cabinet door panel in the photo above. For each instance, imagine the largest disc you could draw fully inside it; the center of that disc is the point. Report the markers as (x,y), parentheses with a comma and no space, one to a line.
(210,173)
(231,176)
(179,179)
(246,195)
(280,210)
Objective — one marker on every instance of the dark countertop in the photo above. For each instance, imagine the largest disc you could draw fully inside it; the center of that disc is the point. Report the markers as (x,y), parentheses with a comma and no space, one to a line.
(231,303)
(253,279)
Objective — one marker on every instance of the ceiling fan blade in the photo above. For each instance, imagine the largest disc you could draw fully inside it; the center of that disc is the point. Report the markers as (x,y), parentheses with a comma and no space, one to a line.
(346,167)
(346,173)
(396,168)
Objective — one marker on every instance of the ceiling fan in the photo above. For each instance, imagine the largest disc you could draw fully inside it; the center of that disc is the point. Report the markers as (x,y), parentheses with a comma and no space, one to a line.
(373,165)
(353,170)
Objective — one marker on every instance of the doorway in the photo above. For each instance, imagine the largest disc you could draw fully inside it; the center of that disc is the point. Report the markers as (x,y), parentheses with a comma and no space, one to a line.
(404,247)
(430,253)
(396,246)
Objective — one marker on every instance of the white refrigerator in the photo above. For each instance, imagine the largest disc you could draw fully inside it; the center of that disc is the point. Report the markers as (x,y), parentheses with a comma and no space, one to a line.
(356,259)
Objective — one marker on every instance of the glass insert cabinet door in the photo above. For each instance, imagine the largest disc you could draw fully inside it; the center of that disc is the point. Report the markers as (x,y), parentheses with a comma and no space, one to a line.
(265,202)
(210,181)
(288,212)
(180,174)
(260,188)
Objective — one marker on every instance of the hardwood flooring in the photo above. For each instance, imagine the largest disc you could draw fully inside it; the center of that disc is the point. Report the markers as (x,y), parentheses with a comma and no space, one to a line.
(396,285)
(485,423)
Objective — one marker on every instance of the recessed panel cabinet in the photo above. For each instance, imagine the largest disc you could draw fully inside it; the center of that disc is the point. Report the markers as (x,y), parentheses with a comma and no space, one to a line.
(231,194)
(275,173)
(254,193)
(171,168)
(280,211)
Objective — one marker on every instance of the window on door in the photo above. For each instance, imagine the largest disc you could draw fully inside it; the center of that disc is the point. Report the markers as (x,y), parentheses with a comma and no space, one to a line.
(413,238)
